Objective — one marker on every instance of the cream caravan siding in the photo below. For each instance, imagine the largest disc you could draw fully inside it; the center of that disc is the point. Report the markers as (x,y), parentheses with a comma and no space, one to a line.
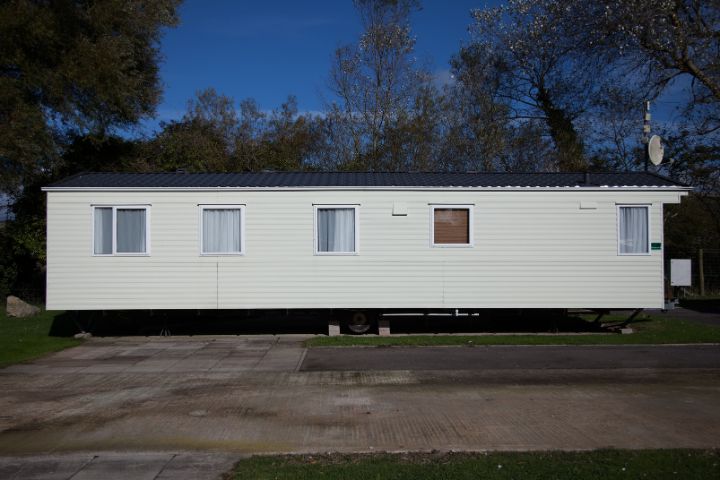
(532,249)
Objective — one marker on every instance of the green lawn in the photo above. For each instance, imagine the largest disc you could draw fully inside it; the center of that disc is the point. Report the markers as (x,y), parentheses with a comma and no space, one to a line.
(648,330)
(601,464)
(23,339)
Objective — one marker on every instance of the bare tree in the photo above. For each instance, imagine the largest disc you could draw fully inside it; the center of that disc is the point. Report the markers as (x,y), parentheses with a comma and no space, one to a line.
(478,124)
(375,81)
(535,70)
(613,128)
(248,144)
(669,39)
(414,137)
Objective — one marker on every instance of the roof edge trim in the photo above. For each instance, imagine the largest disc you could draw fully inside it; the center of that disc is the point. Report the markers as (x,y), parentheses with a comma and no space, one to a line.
(601,188)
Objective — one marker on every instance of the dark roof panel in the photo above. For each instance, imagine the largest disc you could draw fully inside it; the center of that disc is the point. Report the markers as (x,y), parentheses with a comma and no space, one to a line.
(362,179)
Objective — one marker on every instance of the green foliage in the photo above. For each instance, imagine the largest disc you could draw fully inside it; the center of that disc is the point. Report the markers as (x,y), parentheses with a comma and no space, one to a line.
(201,141)
(692,224)
(22,240)
(649,330)
(23,339)
(22,247)
(8,264)
(211,137)
(599,464)
(73,66)
(190,145)
(99,153)
(29,238)
(70,72)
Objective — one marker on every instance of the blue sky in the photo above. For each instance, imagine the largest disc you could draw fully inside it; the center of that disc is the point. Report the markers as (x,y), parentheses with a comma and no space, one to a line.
(268,50)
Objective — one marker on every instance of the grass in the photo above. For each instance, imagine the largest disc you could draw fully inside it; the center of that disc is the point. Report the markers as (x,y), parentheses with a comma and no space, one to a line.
(648,330)
(600,464)
(23,339)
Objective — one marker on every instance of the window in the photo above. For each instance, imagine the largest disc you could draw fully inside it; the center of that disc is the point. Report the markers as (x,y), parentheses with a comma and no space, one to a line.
(222,229)
(120,230)
(633,231)
(451,225)
(336,231)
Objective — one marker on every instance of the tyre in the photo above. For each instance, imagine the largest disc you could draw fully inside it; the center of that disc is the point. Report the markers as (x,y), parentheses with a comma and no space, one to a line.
(359,323)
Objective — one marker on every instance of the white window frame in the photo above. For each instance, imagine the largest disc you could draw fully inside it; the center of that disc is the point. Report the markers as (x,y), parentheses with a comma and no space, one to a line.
(115,208)
(201,209)
(617,229)
(471,214)
(320,206)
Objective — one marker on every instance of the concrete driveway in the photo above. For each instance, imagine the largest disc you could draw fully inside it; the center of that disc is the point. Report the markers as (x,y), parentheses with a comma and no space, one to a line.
(231,396)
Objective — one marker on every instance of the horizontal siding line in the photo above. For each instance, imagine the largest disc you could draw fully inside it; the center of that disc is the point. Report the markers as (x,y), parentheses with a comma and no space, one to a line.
(335,294)
(368,278)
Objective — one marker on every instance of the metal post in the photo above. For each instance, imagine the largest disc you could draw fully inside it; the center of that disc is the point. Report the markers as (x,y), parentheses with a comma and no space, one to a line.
(701,272)
(646,134)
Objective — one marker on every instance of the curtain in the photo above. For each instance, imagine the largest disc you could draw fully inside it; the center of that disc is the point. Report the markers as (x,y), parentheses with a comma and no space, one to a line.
(103,231)
(633,230)
(336,229)
(130,230)
(221,230)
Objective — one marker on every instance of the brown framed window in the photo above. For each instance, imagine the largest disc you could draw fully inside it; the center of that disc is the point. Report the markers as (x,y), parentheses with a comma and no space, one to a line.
(452,225)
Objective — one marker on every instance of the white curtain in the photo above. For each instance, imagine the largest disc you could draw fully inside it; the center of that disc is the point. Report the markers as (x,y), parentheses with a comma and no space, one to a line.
(336,229)
(633,230)
(130,230)
(221,230)
(103,231)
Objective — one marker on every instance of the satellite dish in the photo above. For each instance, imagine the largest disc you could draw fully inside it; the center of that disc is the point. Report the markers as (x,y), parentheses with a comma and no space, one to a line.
(655,150)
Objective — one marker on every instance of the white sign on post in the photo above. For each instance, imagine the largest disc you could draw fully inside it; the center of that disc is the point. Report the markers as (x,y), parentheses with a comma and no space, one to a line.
(680,272)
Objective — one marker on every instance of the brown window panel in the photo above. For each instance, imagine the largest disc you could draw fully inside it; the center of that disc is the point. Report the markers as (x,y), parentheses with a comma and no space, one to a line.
(452,225)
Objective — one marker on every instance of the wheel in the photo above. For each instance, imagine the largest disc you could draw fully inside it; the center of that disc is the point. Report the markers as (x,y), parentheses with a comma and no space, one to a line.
(359,323)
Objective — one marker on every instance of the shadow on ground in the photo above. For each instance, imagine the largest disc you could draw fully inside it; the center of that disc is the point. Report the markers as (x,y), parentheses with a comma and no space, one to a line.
(230,322)
(705,305)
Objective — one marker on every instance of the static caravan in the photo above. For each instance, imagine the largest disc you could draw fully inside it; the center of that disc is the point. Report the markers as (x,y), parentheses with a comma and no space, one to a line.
(357,241)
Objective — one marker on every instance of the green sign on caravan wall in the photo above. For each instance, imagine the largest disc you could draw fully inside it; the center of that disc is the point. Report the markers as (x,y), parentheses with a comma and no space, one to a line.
(656,245)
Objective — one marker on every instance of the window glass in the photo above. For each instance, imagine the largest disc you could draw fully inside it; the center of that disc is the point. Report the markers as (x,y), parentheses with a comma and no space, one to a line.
(120,230)
(221,230)
(130,230)
(336,230)
(451,226)
(103,231)
(633,230)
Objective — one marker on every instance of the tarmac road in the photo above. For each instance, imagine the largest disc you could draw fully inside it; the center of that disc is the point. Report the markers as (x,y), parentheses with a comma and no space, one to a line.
(498,357)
